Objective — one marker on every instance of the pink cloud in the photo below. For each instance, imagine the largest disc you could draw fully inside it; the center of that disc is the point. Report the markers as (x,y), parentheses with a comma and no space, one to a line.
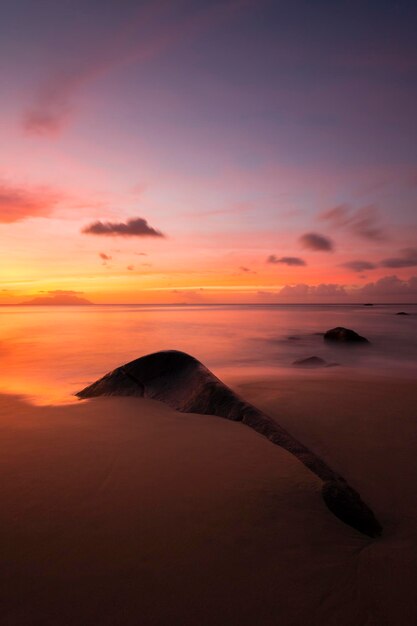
(407,258)
(386,289)
(306,291)
(19,203)
(53,105)
(363,222)
(390,286)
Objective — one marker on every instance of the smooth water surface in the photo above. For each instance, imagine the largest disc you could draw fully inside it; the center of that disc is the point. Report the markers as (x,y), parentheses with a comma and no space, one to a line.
(48,353)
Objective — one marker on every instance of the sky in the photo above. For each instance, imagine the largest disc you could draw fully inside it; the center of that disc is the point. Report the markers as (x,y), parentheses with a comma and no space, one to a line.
(202,152)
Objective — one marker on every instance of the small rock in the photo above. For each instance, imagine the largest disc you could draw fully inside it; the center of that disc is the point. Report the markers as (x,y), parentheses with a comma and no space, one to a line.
(311,361)
(343,335)
(402,313)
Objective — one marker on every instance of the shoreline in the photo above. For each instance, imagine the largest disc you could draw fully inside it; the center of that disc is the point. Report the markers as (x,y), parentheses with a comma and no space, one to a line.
(121,510)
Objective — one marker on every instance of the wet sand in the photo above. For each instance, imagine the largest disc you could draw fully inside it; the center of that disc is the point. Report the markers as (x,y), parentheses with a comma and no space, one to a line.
(121,511)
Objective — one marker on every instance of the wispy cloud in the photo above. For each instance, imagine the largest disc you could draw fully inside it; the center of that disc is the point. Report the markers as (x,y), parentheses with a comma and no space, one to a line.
(59,297)
(316,242)
(190,295)
(154,29)
(104,256)
(363,222)
(408,258)
(134,227)
(63,292)
(359,266)
(286,260)
(19,203)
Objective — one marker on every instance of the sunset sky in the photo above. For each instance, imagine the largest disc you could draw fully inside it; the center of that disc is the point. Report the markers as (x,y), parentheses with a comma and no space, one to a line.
(223,151)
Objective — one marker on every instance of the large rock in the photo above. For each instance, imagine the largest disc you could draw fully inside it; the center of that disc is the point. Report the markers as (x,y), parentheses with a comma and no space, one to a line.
(185,384)
(343,335)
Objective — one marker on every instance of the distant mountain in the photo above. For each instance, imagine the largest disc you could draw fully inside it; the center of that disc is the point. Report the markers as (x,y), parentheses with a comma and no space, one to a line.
(57,300)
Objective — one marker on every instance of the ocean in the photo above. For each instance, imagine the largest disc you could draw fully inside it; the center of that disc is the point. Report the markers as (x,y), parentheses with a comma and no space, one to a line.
(48,353)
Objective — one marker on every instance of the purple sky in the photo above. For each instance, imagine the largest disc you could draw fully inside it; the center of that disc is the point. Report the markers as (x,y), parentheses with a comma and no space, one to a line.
(241,130)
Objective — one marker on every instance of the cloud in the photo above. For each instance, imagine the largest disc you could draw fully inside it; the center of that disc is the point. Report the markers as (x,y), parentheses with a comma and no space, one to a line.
(59,297)
(408,258)
(190,295)
(104,256)
(130,268)
(246,270)
(316,242)
(266,292)
(389,286)
(50,113)
(63,292)
(338,215)
(19,203)
(386,289)
(155,27)
(286,260)
(363,222)
(322,290)
(133,227)
(359,266)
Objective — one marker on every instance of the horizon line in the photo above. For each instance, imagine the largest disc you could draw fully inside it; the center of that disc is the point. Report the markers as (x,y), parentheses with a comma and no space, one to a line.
(147,304)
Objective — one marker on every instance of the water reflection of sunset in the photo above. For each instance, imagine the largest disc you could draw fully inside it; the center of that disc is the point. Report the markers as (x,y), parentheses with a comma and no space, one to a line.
(48,353)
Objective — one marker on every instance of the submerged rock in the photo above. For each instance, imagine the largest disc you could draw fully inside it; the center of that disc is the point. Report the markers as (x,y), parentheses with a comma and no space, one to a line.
(185,384)
(402,313)
(311,361)
(343,335)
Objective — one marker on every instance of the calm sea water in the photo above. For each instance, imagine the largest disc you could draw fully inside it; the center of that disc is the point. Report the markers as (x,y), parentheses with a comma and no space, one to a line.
(48,353)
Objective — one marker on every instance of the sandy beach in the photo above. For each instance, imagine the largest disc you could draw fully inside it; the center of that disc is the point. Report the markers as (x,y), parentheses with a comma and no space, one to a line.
(123,511)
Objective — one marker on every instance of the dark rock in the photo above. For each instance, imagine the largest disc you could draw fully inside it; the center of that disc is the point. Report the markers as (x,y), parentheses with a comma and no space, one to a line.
(185,384)
(293,338)
(311,361)
(368,304)
(343,335)
(348,506)
(402,313)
